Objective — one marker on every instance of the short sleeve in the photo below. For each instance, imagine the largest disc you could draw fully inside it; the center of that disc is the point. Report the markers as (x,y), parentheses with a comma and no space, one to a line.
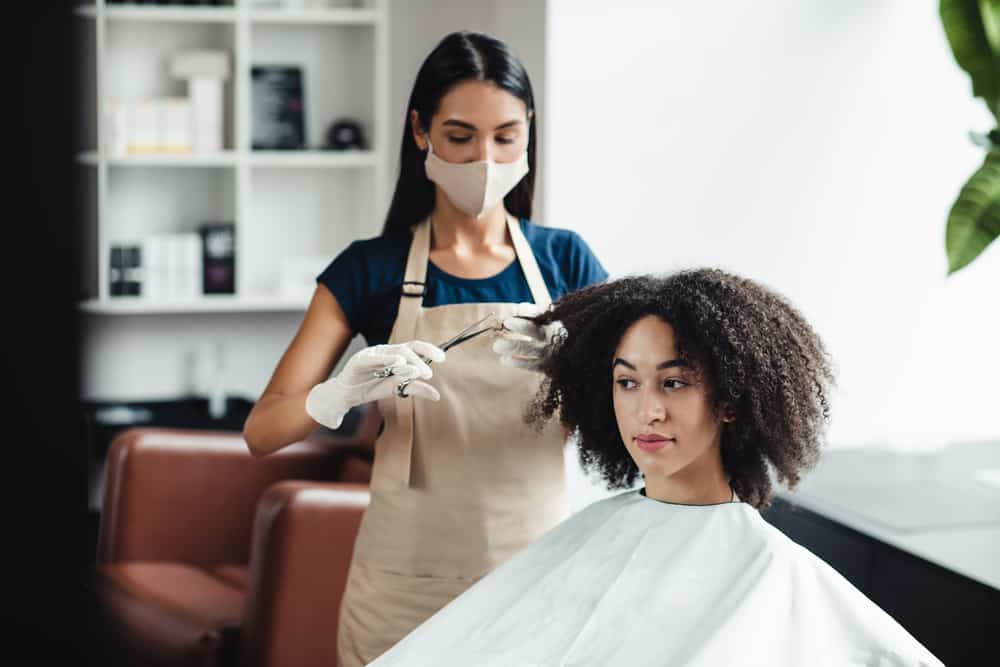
(347,279)
(581,265)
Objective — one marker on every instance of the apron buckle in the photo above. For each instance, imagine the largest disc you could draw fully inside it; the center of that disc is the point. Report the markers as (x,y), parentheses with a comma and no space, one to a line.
(413,288)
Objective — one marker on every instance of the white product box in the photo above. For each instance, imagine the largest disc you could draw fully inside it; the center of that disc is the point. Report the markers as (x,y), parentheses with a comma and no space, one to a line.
(144,127)
(206,104)
(155,260)
(175,125)
(186,265)
(206,72)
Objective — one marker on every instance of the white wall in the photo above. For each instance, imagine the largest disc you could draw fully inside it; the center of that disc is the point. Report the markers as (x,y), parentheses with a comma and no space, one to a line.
(816,146)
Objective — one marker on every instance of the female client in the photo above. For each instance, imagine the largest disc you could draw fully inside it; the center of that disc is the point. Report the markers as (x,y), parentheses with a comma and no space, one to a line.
(700,382)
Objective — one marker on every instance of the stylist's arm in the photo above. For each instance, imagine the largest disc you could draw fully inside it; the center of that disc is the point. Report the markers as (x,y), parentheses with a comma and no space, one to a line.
(297,398)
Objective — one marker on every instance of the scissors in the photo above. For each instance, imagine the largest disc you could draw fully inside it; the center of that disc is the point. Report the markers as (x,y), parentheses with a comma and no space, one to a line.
(488,323)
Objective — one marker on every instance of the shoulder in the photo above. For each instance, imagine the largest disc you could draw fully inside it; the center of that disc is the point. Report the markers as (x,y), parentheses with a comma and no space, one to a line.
(822,593)
(600,511)
(380,247)
(371,258)
(364,265)
(565,254)
(564,247)
(815,579)
(589,518)
(615,502)
(554,240)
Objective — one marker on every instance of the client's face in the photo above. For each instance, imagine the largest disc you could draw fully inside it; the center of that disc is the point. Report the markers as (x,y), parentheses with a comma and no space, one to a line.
(663,411)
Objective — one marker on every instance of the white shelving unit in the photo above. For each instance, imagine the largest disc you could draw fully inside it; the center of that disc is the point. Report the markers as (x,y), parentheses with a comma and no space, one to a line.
(285,204)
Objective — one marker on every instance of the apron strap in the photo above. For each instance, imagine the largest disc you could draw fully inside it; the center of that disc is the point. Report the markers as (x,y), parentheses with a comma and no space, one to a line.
(411,298)
(396,458)
(539,292)
(395,463)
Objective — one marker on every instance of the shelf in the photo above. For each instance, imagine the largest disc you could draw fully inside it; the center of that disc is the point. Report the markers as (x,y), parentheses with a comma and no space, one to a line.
(314,16)
(277,16)
(207,304)
(167,14)
(220,159)
(297,159)
(312,158)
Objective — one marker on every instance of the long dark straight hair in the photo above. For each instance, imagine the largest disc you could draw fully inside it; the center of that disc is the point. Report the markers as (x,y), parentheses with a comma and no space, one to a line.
(459,57)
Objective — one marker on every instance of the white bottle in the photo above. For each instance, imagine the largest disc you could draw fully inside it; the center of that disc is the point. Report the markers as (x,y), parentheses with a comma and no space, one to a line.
(206,71)
(217,386)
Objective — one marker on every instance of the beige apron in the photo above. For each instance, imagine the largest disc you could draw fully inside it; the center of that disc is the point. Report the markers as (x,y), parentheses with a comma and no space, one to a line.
(458,486)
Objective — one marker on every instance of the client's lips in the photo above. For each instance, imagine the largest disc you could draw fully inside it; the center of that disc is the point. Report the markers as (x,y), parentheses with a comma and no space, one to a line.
(650,442)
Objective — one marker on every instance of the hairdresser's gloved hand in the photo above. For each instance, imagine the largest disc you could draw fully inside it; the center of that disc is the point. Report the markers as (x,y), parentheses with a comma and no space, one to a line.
(522,343)
(372,374)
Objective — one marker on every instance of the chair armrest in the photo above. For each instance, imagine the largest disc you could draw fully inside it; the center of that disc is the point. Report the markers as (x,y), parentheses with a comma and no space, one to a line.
(303,542)
(189,496)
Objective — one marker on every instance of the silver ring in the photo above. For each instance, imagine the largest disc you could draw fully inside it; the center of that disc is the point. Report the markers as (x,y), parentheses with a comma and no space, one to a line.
(401,389)
(388,371)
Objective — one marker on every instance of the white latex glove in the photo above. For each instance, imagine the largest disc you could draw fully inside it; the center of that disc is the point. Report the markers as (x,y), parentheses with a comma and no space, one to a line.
(522,342)
(360,382)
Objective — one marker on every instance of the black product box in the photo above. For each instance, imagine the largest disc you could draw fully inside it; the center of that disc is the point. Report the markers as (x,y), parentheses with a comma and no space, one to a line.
(133,270)
(218,257)
(125,272)
(277,108)
(116,274)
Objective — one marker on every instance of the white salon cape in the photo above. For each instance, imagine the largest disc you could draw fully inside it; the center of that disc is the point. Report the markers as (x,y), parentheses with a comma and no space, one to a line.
(633,581)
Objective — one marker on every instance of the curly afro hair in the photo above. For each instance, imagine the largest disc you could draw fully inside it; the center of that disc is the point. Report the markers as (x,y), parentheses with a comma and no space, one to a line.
(758,358)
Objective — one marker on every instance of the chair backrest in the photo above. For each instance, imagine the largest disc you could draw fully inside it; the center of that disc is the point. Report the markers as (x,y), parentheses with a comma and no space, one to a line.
(303,543)
(190,496)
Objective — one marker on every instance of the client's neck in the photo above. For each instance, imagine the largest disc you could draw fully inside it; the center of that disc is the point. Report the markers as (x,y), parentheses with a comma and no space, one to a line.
(699,483)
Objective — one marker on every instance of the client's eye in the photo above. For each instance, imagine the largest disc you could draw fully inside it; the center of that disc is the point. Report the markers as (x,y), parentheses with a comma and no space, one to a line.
(674,383)
(459,140)
(625,383)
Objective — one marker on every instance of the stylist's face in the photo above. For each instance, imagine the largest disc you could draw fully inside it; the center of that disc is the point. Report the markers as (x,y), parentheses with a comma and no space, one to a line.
(476,121)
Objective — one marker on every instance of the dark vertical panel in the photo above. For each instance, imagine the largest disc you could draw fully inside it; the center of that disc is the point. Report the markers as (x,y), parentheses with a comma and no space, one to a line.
(47,614)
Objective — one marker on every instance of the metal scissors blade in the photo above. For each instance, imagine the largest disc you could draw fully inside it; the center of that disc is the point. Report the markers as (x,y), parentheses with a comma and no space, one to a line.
(470,332)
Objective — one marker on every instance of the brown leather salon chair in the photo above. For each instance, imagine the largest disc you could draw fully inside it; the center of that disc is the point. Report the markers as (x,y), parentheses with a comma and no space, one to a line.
(208,556)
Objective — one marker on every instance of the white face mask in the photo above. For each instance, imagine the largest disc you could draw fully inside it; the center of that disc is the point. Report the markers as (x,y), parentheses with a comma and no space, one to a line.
(475,187)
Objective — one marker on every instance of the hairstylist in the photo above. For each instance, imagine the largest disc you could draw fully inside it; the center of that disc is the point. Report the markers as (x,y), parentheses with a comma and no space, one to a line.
(460,483)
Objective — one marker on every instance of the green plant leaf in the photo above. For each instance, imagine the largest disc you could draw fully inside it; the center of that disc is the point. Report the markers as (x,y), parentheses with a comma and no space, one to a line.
(989,10)
(967,36)
(974,219)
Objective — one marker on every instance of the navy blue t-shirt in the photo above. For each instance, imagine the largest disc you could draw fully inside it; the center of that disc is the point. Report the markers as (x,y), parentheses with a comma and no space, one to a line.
(367,277)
